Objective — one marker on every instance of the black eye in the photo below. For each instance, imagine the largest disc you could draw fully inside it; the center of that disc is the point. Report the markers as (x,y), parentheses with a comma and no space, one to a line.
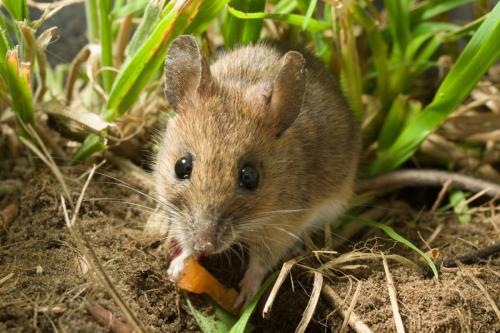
(249,177)
(183,167)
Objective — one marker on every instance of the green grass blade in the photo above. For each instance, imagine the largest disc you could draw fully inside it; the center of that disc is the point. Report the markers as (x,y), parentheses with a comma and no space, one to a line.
(131,8)
(252,28)
(399,24)
(478,56)
(91,12)
(135,74)
(379,51)
(397,237)
(106,43)
(292,19)
(18,9)
(18,82)
(242,323)
(309,13)
(209,10)
(435,8)
(91,145)
(393,122)
(285,6)
(149,20)
(233,27)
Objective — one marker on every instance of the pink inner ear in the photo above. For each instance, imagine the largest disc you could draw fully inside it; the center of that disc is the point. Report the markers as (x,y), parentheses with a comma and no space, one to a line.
(260,92)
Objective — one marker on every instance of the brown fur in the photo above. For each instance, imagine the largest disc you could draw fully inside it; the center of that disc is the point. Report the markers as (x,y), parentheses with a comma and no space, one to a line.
(229,122)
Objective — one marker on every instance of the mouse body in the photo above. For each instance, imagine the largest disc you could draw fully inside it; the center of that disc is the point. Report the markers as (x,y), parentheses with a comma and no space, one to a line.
(262,148)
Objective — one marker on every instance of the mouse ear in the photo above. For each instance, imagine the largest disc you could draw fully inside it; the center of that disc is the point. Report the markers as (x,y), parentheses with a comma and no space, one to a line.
(186,70)
(288,91)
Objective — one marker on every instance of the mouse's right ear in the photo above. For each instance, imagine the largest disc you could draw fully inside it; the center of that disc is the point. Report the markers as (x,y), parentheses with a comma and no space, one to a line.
(186,70)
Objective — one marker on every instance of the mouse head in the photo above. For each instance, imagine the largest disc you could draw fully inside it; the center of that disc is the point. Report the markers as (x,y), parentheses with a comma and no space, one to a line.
(219,162)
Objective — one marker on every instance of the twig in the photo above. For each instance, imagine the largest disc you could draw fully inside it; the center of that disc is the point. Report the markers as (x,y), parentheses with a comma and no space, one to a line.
(483,289)
(336,301)
(107,319)
(6,278)
(441,195)
(434,234)
(311,305)
(7,215)
(405,178)
(350,310)
(85,247)
(393,297)
(285,270)
(468,259)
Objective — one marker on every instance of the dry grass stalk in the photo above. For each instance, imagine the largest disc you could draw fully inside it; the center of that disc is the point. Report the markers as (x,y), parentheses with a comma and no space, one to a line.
(107,319)
(441,196)
(311,305)
(285,270)
(482,288)
(355,256)
(337,302)
(80,58)
(393,297)
(350,310)
(438,148)
(46,158)
(6,278)
(84,246)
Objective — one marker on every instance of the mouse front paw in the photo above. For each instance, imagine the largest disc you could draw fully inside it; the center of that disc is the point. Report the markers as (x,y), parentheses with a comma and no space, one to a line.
(177,266)
(249,286)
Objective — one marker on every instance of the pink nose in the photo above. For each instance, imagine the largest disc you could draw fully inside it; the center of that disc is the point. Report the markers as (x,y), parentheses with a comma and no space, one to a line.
(204,245)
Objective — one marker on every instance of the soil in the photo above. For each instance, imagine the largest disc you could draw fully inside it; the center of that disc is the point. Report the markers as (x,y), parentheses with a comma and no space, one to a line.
(51,287)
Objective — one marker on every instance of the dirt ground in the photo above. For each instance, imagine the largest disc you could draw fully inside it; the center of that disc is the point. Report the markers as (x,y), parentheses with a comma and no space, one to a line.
(46,286)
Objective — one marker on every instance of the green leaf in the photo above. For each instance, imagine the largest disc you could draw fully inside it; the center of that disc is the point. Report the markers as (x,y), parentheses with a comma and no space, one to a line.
(217,321)
(397,237)
(309,13)
(149,20)
(242,324)
(17,79)
(292,19)
(139,70)
(457,201)
(90,146)
(285,6)
(438,7)
(399,23)
(106,43)
(133,7)
(393,122)
(478,56)
(18,9)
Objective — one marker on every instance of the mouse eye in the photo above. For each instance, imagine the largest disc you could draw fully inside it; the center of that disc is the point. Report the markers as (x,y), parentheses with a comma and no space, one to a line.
(183,167)
(249,177)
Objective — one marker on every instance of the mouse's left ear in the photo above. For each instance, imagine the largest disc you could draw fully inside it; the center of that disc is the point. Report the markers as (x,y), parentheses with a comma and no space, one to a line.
(186,70)
(288,90)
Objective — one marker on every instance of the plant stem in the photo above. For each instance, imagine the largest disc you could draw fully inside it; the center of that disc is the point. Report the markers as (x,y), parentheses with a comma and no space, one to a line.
(92,20)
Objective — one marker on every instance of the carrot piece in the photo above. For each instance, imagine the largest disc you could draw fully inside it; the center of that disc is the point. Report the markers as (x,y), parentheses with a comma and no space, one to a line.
(196,279)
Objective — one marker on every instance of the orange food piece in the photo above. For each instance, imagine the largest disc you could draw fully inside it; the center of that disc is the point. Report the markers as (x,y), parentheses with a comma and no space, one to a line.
(196,279)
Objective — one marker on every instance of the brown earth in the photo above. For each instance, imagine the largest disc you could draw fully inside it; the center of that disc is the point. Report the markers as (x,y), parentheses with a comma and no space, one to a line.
(46,286)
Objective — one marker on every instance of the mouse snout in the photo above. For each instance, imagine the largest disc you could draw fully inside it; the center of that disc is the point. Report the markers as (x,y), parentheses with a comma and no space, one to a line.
(205,244)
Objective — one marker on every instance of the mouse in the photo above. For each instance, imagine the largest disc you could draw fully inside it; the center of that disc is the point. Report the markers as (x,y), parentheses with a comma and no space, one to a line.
(262,148)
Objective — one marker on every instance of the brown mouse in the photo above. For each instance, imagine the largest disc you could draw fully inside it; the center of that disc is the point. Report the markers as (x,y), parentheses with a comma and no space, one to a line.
(262,147)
